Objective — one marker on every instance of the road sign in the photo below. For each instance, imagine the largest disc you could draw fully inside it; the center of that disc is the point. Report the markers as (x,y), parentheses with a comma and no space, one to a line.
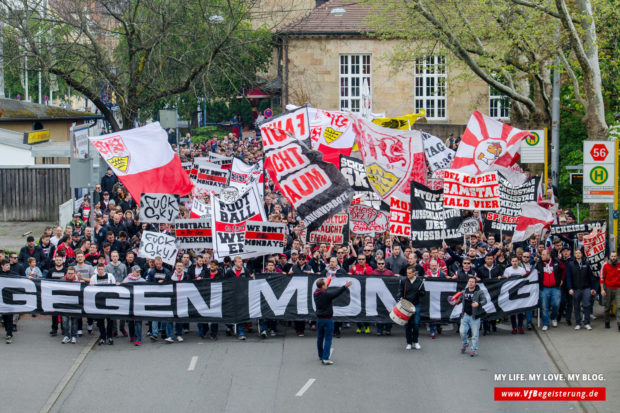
(268,113)
(168,119)
(598,171)
(533,147)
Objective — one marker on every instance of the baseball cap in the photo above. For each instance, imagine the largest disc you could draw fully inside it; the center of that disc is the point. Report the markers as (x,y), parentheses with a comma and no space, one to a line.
(294,252)
(481,244)
(136,268)
(75,234)
(30,238)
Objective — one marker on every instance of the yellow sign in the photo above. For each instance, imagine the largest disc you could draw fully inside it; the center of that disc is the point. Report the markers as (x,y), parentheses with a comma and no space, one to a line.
(331,135)
(400,122)
(599,175)
(37,136)
(533,139)
(382,181)
(119,162)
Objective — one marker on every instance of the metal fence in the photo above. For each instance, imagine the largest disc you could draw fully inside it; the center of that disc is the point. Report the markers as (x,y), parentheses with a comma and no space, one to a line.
(33,193)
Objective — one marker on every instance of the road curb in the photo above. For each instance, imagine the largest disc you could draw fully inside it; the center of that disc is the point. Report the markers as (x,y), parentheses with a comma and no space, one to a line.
(562,367)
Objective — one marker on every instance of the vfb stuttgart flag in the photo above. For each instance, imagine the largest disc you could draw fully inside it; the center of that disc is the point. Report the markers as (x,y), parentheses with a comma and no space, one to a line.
(143,161)
(486,142)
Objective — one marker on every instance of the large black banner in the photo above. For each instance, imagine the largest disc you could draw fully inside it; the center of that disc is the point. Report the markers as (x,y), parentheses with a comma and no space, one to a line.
(431,223)
(571,229)
(284,297)
(355,173)
(510,200)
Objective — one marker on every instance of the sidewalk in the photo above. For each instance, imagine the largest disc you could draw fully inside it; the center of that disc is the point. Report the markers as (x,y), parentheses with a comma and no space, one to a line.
(592,352)
(11,233)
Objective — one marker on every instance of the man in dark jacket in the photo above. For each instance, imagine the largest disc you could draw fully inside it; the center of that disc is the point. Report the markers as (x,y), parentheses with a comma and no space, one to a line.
(550,281)
(581,285)
(108,180)
(411,289)
(31,250)
(323,298)
(473,300)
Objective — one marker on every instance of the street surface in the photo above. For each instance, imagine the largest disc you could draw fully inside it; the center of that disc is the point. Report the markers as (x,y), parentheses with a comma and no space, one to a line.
(281,374)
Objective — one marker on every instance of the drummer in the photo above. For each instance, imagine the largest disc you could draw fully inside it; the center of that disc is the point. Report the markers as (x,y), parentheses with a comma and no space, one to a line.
(411,289)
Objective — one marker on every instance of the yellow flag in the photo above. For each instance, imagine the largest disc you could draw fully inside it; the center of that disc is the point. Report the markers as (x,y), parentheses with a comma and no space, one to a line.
(400,122)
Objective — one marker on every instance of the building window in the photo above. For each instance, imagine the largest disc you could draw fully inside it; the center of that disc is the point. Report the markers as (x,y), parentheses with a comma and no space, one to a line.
(430,86)
(499,104)
(354,68)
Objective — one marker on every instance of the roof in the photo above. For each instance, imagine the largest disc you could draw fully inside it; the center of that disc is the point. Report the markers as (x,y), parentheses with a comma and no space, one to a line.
(46,149)
(321,21)
(12,110)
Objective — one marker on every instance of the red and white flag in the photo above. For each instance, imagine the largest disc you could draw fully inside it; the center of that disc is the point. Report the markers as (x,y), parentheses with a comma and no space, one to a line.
(485,142)
(143,161)
(532,221)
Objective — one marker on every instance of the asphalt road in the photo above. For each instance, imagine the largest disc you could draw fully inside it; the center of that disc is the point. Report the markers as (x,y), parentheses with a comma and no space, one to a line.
(281,374)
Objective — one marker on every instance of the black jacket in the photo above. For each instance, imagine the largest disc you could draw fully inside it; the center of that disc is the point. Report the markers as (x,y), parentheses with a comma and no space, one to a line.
(323,300)
(36,252)
(411,291)
(580,277)
(231,273)
(484,273)
(194,272)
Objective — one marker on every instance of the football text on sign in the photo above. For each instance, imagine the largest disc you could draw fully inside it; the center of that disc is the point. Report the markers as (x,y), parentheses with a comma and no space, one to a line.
(431,223)
(194,233)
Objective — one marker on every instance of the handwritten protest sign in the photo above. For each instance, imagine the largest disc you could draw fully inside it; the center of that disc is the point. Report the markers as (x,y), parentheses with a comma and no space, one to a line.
(463,191)
(155,244)
(158,208)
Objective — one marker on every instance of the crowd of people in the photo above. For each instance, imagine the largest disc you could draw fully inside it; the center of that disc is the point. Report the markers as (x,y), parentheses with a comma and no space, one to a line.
(100,246)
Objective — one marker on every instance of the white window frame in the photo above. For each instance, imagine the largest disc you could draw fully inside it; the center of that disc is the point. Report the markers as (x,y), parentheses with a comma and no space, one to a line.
(496,109)
(352,70)
(431,79)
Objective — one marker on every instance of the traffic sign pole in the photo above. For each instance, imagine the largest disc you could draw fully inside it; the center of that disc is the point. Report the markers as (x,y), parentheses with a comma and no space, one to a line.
(614,244)
(546,163)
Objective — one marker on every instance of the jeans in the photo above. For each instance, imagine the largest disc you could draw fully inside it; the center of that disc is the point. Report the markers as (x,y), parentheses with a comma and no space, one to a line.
(581,299)
(240,330)
(54,323)
(384,328)
(300,326)
(549,295)
(612,295)
(514,318)
(69,326)
(325,331)
(135,330)
(528,317)
(155,328)
(178,329)
(412,328)
(106,326)
(566,305)
(469,323)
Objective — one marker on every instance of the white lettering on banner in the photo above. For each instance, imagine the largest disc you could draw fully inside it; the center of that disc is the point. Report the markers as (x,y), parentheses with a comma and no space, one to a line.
(158,208)
(154,244)
(435,291)
(187,293)
(112,306)
(142,301)
(462,191)
(489,307)
(22,302)
(527,293)
(49,299)
(375,287)
(306,184)
(324,209)
(400,217)
(438,156)
(258,288)
(296,123)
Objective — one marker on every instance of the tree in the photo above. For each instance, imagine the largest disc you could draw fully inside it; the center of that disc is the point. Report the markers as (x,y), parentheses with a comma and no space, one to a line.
(141,51)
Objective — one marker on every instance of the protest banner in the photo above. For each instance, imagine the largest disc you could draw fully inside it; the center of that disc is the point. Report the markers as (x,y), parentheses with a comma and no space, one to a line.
(224,162)
(199,208)
(194,233)
(400,217)
(187,167)
(392,158)
(511,199)
(158,208)
(355,173)
(238,300)
(229,223)
(242,175)
(571,229)
(367,220)
(463,191)
(438,156)
(334,229)
(431,223)
(211,178)
(315,188)
(265,237)
(331,132)
(155,244)
(594,247)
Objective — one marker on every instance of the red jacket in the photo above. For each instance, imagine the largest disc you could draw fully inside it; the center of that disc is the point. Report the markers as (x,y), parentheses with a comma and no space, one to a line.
(610,275)
(359,270)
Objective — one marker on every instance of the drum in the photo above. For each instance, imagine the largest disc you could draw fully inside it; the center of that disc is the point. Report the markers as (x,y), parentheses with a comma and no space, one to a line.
(402,312)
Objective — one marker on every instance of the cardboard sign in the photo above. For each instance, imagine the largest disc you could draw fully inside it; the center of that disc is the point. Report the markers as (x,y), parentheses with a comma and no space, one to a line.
(158,208)
(265,237)
(194,233)
(155,244)
(463,191)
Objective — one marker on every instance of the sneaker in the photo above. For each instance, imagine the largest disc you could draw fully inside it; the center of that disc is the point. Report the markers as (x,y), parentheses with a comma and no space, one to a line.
(554,323)
(263,334)
(474,353)
(9,339)
(606,324)
(568,323)
(545,328)
(273,333)
(137,343)
(388,333)
(577,327)
(242,337)
(65,340)
(73,340)
(300,334)
(179,339)
(327,362)
(379,334)
(110,342)
(592,317)
(367,330)
(53,333)
(417,346)
(433,336)
(521,331)
(153,338)
(359,331)
(588,327)
(169,340)
(80,333)
(514,331)
(101,341)
(529,327)
(124,332)
(90,329)
(313,327)
(131,339)
(228,332)
(463,348)
(408,347)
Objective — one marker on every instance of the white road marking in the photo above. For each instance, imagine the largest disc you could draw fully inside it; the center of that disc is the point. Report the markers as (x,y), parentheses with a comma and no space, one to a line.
(192,364)
(305,387)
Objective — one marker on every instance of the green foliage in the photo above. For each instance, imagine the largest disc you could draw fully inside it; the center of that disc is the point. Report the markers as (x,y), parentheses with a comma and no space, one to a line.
(263,104)
(245,110)
(218,112)
(204,133)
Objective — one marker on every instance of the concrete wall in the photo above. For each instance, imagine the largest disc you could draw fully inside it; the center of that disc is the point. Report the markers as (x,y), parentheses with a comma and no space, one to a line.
(313,73)
(10,155)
